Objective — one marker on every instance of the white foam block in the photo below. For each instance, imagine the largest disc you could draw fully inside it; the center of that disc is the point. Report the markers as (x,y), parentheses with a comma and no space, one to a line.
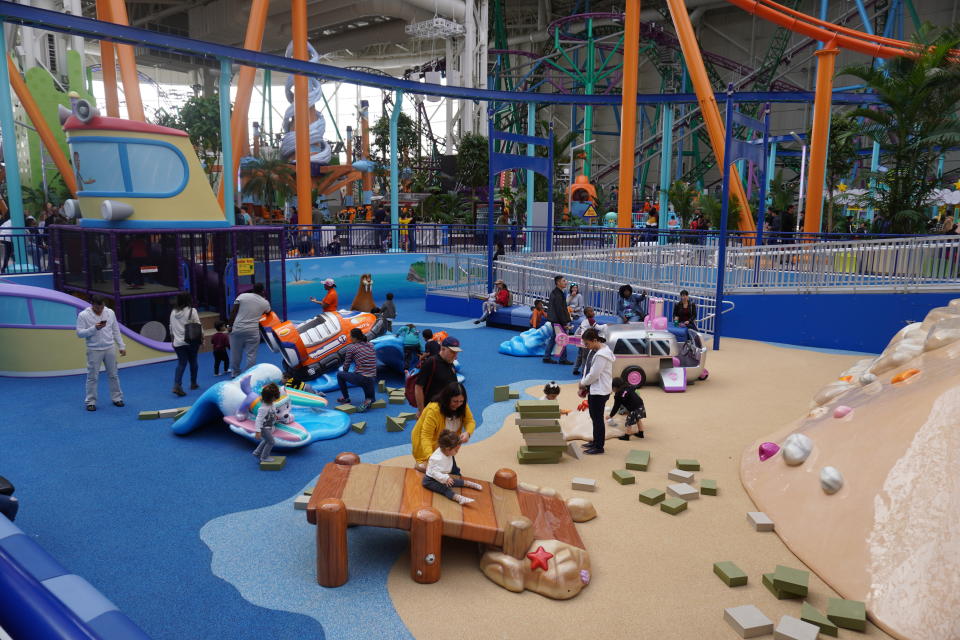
(679,475)
(795,629)
(574,450)
(748,621)
(300,502)
(584,484)
(684,491)
(760,520)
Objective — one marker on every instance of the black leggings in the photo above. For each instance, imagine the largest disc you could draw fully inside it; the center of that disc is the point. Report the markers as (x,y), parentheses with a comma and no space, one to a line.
(596,404)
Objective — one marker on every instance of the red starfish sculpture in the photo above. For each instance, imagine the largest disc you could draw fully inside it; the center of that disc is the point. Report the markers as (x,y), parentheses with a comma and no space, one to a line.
(539,558)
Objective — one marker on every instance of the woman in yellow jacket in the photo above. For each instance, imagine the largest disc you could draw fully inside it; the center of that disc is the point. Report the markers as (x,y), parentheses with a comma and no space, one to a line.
(449,412)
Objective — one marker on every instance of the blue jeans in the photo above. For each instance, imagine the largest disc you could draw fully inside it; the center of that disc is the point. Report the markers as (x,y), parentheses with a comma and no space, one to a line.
(243,343)
(187,354)
(352,377)
(266,443)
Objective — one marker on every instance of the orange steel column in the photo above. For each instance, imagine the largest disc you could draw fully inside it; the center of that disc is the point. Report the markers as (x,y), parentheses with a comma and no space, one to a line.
(43,130)
(256,22)
(628,118)
(708,104)
(128,65)
(301,114)
(826,62)
(108,65)
(366,182)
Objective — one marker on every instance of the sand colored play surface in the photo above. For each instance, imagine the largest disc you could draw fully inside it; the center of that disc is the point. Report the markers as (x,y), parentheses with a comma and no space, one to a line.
(652,572)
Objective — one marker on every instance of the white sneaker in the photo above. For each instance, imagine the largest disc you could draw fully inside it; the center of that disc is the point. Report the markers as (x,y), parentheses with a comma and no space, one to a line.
(463,499)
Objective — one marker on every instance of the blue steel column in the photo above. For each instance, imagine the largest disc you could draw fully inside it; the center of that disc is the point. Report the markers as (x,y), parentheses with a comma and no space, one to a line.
(762,205)
(226,162)
(550,179)
(491,175)
(395,175)
(724,215)
(14,192)
(531,176)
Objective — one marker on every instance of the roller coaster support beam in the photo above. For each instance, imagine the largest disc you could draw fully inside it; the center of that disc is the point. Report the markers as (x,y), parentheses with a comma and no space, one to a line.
(128,65)
(826,62)
(708,103)
(256,22)
(298,13)
(628,118)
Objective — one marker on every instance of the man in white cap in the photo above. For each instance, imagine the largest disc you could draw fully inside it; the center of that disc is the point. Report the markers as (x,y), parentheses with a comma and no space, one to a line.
(330,301)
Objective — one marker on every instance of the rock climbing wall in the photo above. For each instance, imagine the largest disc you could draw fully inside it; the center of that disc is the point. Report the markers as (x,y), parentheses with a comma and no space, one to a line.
(865,489)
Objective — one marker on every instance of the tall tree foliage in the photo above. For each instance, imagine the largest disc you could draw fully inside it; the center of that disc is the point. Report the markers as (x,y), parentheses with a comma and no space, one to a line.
(268,178)
(918,119)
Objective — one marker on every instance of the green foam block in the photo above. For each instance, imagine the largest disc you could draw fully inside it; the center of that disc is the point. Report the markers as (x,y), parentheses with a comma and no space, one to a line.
(514,395)
(393,424)
(688,464)
(359,427)
(623,476)
(148,415)
(809,613)
(791,580)
(638,460)
(407,415)
(501,394)
(779,594)
(398,399)
(541,429)
(275,465)
(525,460)
(381,386)
(673,506)
(379,404)
(652,496)
(848,614)
(708,487)
(730,573)
(346,408)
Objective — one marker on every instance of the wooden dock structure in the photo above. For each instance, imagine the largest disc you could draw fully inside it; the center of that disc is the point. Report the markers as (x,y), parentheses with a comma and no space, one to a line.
(502,516)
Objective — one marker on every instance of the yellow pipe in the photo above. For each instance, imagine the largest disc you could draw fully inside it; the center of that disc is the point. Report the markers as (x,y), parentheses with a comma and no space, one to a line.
(708,104)
(826,62)
(301,114)
(43,130)
(628,118)
(128,65)
(108,65)
(245,79)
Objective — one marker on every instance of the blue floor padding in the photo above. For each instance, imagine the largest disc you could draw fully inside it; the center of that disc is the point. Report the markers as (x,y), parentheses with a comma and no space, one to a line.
(122,502)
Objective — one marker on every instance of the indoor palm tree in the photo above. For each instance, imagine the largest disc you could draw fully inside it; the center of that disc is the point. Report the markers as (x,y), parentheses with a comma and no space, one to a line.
(268,178)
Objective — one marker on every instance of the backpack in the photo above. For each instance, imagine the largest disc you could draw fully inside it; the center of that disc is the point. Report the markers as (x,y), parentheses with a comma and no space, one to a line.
(688,355)
(409,387)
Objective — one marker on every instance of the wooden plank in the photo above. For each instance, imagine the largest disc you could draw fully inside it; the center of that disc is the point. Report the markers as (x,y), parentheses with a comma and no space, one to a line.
(452,514)
(415,496)
(329,485)
(559,520)
(505,507)
(384,510)
(358,491)
(479,519)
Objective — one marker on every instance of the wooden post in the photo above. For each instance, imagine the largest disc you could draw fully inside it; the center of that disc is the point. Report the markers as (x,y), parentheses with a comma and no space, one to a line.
(348,458)
(517,536)
(505,479)
(331,543)
(426,533)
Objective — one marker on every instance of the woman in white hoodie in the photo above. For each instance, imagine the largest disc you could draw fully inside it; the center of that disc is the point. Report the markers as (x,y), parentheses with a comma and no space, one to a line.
(183,313)
(596,385)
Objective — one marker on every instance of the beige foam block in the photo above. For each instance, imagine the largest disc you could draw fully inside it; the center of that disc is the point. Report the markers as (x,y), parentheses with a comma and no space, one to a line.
(679,475)
(684,491)
(760,520)
(748,621)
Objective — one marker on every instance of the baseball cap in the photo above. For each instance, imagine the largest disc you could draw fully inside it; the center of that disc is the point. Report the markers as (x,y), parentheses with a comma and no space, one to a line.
(451,343)
(329,282)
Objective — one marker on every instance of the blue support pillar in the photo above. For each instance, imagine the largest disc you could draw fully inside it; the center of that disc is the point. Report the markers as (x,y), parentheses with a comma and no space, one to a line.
(531,176)
(550,180)
(771,166)
(394,174)
(724,216)
(226,162)
(666,160)
(14,188)
(765,179)
(490,199)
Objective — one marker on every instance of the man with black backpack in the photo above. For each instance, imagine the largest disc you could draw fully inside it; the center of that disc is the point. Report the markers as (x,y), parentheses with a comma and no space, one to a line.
(436,373)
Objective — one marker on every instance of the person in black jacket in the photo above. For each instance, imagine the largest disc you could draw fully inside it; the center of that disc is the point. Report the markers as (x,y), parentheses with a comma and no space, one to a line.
(626,396)
(559,317)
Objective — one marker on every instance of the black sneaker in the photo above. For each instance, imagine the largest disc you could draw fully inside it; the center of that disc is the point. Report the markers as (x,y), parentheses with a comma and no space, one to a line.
(639,434)
(576,372)
(548,360)
(593,452)
(624,437)
(587,445)
(565,361)
(118,403)
(91,407)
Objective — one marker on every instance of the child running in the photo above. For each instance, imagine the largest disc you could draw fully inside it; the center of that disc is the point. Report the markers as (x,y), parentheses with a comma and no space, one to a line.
(266,421)
(626,396)
(221,346)
(439,465)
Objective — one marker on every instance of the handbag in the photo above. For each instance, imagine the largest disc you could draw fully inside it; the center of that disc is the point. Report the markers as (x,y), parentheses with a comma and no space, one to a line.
(193,331)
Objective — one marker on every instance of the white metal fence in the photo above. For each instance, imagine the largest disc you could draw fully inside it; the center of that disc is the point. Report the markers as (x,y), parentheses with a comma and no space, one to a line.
(922,263)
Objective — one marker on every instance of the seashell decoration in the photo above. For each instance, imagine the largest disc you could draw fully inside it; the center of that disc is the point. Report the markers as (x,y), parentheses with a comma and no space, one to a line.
(767,450)
(842,411)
